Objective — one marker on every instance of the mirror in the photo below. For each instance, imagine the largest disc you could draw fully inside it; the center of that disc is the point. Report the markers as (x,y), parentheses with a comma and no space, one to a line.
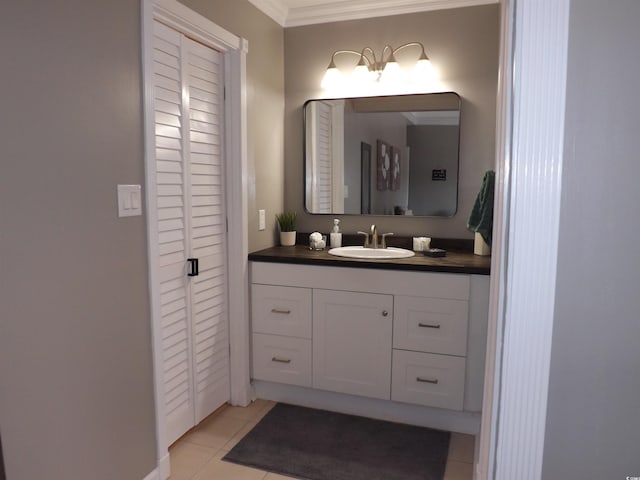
(393,155)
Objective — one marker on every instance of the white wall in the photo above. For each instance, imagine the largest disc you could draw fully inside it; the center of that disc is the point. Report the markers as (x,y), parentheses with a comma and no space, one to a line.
(593,424)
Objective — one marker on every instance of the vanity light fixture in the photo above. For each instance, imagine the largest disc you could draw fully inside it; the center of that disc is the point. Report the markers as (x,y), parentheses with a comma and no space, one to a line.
(385,70)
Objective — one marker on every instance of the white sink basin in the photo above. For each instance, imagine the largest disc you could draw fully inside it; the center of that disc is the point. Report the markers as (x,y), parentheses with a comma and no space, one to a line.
(371,253)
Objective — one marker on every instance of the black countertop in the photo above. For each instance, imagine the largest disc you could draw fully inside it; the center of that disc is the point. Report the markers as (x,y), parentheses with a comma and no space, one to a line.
(454,262)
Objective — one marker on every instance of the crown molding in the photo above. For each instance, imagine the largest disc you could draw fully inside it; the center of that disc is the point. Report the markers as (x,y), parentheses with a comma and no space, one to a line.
(275,9)
(353,10)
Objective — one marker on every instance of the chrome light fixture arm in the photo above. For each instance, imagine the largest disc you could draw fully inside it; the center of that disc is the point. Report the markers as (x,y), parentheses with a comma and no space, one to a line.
(368,63)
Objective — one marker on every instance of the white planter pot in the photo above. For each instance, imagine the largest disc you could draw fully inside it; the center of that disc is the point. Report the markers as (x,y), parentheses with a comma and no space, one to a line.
(287,239)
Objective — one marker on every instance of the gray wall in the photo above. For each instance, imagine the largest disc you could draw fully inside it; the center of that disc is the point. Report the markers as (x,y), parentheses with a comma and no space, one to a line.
(76,391)
(433,147)
(462,42)
(593,424)
(265,99)
(369,127)
(76,382)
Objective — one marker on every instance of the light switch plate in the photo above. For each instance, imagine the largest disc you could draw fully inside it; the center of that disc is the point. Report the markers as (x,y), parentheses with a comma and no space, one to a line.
(129,200)
(262,220)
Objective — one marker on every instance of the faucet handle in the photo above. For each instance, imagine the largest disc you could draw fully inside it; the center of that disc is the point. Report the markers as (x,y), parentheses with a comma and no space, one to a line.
(384,239)
(366,238)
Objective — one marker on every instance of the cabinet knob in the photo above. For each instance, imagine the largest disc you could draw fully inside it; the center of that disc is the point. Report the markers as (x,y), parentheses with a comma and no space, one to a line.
(385,313)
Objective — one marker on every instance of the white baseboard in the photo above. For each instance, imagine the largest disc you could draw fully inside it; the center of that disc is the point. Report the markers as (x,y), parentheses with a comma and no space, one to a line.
(163,470)
(154,475)
(164,467)
(438,418)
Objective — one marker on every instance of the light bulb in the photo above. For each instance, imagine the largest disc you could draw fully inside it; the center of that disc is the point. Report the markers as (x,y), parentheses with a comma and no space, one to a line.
(361,73)
(391,72)
(423,71)
(331,77)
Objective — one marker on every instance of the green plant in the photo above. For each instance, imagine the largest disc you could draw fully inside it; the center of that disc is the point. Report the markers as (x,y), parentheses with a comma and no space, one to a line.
(287,221)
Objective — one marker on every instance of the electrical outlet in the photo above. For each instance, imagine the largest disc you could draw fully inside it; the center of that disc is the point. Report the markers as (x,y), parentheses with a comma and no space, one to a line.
(262,219)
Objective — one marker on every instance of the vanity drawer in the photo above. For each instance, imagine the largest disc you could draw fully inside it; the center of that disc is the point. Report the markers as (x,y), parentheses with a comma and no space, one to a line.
(282,359)
(432,325)
(281,310)
(428,379)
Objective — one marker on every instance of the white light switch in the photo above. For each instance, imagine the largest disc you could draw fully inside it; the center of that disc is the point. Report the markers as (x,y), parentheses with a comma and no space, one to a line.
(129,200)
(262,220)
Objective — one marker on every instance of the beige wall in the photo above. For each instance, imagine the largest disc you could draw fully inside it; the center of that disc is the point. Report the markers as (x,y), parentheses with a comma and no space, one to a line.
(265,98)
(462,43)
(76,391)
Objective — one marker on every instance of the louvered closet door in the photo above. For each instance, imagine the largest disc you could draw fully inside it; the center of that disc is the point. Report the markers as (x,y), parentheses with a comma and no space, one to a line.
(190,211)
(324,161)
(205,83)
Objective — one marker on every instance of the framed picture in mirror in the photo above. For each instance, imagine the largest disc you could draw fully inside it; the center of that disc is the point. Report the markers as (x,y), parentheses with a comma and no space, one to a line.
(383,165)
(394,171)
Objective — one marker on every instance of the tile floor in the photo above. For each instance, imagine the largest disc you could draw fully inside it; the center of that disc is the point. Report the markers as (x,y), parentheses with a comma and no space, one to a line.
(198,455)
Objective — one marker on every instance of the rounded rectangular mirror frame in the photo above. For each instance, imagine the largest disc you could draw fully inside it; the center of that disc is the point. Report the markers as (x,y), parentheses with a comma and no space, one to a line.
(361,155)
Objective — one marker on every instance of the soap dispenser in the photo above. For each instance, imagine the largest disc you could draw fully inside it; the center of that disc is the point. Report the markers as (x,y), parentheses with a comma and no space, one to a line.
(335,237)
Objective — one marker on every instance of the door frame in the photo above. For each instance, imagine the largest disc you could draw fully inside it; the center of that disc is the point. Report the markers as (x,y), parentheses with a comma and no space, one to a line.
(234,50)
(529,157)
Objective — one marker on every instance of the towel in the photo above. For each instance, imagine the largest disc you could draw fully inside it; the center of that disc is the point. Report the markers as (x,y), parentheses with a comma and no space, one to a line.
(481,218)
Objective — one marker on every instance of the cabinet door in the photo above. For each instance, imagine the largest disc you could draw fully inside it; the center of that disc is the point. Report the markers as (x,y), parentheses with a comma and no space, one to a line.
(352,342)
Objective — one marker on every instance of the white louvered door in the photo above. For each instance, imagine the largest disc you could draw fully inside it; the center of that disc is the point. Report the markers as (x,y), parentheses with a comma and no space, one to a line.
(188,102)
(205,83)
(324,162)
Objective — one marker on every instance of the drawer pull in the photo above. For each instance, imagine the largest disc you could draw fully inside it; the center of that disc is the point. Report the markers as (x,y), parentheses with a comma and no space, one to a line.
(427,380)
(429,325)
(281,360)
(278,310)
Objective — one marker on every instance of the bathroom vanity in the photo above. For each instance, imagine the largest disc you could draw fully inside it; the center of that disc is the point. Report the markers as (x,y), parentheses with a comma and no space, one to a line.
(401,340)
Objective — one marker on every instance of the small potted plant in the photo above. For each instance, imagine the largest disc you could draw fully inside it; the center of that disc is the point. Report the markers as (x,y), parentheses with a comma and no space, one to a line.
(287,223)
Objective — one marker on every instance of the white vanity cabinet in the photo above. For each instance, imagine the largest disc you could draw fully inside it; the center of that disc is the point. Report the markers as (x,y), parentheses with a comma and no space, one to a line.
(412,339)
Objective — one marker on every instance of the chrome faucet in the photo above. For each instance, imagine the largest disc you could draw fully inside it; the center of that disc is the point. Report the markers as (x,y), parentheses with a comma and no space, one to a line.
(373,232)
(371,238)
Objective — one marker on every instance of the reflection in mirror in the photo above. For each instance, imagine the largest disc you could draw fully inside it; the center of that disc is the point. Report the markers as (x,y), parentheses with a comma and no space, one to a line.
(395,155)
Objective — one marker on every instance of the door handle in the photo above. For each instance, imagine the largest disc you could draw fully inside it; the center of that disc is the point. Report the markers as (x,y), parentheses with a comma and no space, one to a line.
(194,268)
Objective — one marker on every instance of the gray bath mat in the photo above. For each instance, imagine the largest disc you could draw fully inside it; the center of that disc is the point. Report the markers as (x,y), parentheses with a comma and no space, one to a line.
(320,445)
